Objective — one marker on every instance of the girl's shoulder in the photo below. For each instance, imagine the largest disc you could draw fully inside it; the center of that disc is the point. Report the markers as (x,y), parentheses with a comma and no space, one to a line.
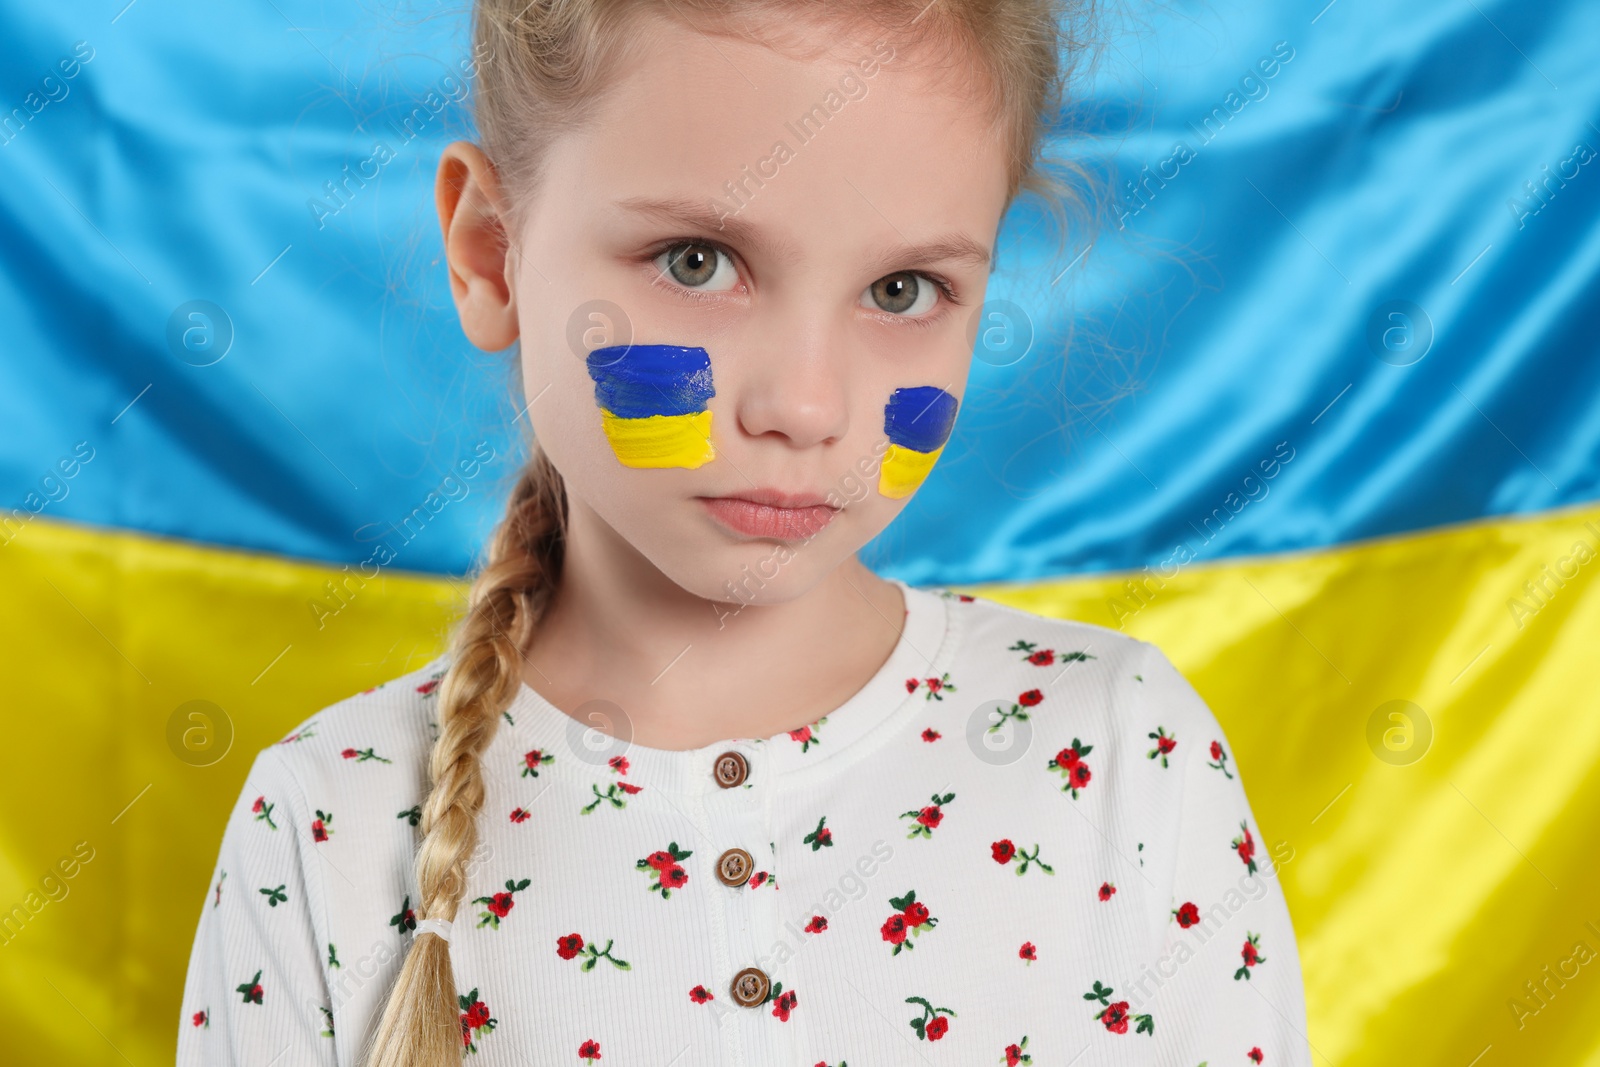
(1009,651)
(993,633)
(392,724)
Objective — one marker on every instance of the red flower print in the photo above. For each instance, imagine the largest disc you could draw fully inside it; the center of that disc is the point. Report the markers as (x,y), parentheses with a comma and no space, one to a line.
(1165,743)
(362,755)
(1015,1056)
(263,811)
(202,1018)
(1028,951)
(931,1024)
(629,788)
(519,814)
(251,989)
(534,759)
(664,869)
(1188,914)
(821,837)
(1251,954)
(1004,852)
(927,819)
(1044,657)
(1245,845)
(783,1004)
(759,879)
(349,753)
(475,1020)
(589,1050)
(807,735)
(1219,758)
(700,994)
(405,918)
(1106,889)
(817,924)
(930,734)
(1254,1055)
(1069,763)
(430,685)
(499,904)
(1030,698)
(935,688)
(1113,1015)
(322,826)
(572,945)
(912,918)
(619,764)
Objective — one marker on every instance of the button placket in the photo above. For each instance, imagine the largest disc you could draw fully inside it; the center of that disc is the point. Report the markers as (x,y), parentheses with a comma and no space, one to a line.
(739,813)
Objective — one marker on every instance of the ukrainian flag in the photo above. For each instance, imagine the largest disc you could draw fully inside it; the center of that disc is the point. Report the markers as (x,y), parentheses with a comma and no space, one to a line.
(917,422)
(653,403)
(1317,413)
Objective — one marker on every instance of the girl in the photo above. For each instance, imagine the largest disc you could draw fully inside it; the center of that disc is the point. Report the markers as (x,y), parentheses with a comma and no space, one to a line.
(692,785)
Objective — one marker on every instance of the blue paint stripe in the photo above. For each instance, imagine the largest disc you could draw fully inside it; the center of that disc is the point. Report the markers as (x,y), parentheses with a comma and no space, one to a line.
(637,381)
(920,417)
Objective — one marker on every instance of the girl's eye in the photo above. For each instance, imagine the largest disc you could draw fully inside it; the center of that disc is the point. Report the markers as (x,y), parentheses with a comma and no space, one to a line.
(698,266)
(903,293)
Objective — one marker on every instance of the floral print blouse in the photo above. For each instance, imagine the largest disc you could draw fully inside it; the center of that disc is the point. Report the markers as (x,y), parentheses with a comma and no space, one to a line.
(1023,840)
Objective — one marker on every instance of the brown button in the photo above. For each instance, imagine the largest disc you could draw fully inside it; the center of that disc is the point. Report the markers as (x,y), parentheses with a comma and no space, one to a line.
(750,987)
(734,866)
(730,769)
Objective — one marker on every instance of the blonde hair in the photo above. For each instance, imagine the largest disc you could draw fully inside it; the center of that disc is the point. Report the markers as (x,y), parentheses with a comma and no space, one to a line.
(543,67)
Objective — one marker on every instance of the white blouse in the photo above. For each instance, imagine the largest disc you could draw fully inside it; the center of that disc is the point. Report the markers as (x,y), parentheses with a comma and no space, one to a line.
(1022,841)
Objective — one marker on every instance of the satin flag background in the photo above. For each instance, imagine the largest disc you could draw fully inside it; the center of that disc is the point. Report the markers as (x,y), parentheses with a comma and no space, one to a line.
(1318,413)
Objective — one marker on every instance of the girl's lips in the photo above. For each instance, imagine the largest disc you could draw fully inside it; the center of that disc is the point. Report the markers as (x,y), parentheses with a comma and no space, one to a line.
(766,520)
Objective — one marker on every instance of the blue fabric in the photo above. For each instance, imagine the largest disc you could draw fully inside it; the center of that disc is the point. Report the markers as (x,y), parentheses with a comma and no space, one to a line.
(276,161)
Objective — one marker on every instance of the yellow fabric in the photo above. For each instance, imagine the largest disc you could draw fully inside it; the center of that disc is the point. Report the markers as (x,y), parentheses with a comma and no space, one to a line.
(1424,894)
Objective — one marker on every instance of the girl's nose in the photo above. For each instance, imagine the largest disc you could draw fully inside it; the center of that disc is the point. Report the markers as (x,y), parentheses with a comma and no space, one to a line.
(792,382)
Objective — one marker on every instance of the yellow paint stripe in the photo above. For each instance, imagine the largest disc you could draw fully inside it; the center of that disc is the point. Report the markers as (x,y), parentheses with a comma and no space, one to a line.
(904,469)
(661,440)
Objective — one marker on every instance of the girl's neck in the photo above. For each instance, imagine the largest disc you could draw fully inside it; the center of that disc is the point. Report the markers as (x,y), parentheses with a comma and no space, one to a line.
(688,671)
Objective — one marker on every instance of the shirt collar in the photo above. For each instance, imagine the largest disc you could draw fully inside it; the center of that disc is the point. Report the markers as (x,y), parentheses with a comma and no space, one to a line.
(582,747)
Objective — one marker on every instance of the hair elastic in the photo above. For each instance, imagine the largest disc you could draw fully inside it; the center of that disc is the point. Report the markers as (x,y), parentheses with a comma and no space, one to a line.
(439,927)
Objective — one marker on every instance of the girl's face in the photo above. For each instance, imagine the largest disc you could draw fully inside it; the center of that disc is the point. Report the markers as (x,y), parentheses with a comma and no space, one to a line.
(754,273)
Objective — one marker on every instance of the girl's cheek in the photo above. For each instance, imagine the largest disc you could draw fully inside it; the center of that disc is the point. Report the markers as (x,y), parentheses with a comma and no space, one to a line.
(652,401)
(918,422)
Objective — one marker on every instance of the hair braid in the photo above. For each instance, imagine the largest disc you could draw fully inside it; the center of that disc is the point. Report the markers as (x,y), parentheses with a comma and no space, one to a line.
(421,1025)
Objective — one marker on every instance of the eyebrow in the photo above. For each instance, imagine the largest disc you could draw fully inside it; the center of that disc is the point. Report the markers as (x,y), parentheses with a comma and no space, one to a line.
(705,217)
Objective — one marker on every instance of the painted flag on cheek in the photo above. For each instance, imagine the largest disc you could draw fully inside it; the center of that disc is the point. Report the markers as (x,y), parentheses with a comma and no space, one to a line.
(918,423)
(652,402)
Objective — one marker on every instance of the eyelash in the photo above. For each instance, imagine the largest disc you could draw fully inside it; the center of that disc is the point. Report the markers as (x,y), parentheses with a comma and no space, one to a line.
(662,281)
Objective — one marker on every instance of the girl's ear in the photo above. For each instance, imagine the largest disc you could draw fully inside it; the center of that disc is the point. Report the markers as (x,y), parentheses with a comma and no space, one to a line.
(469,199)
